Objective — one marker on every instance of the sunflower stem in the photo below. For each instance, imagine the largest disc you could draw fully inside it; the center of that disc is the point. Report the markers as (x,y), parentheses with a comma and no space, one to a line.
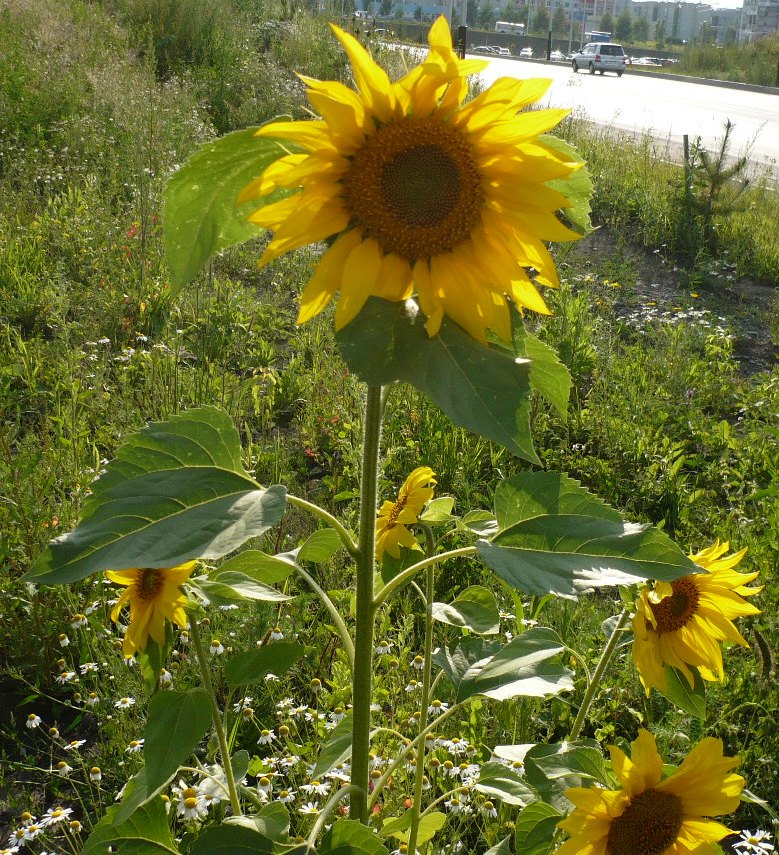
(597,677)
(205,676)
(362,691)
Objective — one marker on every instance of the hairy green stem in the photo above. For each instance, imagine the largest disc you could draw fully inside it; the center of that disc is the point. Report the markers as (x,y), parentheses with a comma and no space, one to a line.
(402,579)
(343,632)
(600,670)
(326,516)
(362,679)
(205,676)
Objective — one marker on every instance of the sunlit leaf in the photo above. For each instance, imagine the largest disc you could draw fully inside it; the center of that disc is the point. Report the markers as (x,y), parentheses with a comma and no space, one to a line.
(254,665)
(438,511)
(474,609)
(567,764)
(271,821)
(267,569)
(200,215)
(175,723)
(320,546)
(502,848)
(520,668)
(145,832)
(429,825)
(175,491)
(231,586)
(499,781)
(577,187)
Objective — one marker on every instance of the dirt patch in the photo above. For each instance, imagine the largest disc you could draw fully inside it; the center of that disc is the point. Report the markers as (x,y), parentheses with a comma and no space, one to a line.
(746,309)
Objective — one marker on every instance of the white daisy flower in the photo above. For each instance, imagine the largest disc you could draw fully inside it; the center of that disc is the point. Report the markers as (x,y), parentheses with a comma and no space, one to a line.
(63,640)
(33,721)
(78,621)
(384,646)
(216,648)
(286,796)
(309,808)
(62,769)
(321,788)
(135,746)
(276,634)
(95,774)
(53,816)
(266,737)
(124,703)
(754,842)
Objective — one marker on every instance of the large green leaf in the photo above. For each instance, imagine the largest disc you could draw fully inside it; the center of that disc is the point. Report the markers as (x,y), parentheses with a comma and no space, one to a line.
(176,491)
(200,214)
(556,537)
(497,780)
(429,825)
(176,722)
(532,494)
(254,665)
(264,568)
(474,609)
(502,848)
(520,668)
(349,837)
(146,832)
(535,827)
(231,839)
(320,546)
(568,764)
(337,749)
(691,699)
(231,586)
(271,821)
(135,794)
(483,389)
(577,187)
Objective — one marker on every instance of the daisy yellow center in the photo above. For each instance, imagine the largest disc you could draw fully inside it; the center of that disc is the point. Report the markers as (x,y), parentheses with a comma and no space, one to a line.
(648,826)
(415,187)
(149,584)
(675,611)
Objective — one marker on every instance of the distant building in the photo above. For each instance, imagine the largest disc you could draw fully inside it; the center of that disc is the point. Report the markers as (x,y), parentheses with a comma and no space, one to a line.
(758,18)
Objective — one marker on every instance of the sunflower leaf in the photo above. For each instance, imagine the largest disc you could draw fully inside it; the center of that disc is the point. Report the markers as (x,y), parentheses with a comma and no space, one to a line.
(474,608)
(176,722)
(577,187)
(254,665)
(679,692)
(350,837)
(177,490)
(558,538)
(145,832)
(520,668)
(200,216)
(483,389)
(231,839)
(535,828)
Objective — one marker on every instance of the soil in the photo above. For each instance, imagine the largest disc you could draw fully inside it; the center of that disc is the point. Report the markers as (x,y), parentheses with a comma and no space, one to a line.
(750,310)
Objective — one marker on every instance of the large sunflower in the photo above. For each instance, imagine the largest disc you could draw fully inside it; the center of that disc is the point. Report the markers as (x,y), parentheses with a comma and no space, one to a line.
(650,816)
(394,517)
(421,192)
(682,623)
(154,596)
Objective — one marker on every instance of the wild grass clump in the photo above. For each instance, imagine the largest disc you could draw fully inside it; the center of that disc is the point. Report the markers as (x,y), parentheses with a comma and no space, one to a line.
(753,63)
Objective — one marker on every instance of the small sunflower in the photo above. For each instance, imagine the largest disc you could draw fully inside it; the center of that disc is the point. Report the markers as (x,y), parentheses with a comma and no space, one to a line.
(422,193)
(154,596)
(391,531)
(682,623)
(650,816)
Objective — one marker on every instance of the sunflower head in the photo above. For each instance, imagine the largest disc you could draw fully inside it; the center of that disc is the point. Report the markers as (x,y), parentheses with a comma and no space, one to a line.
(154,596)
(682,623)
(420,193)
(650,814)
(392,530)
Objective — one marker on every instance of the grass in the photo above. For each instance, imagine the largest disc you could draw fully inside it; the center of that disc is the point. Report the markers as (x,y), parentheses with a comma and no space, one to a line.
(663,424)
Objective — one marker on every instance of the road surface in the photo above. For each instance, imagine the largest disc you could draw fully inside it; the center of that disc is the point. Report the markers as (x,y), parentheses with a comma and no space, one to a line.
(666,109)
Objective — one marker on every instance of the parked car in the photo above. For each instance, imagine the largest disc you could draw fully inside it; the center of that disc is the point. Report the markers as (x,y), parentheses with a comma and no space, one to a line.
(646,61)
(600,57)
(526,52)
(483,49)
(502,51)
(557,56)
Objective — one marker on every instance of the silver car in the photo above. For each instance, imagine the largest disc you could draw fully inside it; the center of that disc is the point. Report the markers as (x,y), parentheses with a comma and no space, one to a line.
(600,57)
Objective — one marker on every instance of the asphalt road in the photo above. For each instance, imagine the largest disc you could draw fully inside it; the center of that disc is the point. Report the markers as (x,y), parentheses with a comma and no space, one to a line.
(665,108)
